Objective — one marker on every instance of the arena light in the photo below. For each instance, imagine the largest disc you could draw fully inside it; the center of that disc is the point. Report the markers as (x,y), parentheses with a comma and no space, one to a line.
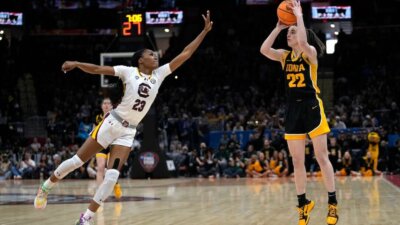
(336,32)
(330,46)
(332,25)
(1,38)
(166,30)
(1,31)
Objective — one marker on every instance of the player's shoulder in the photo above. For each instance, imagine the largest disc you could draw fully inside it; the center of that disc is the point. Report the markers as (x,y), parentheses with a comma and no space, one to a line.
(124,69)
(165,68)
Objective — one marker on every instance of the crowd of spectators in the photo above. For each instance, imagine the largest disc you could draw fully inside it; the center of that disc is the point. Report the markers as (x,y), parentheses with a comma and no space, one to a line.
(228,86)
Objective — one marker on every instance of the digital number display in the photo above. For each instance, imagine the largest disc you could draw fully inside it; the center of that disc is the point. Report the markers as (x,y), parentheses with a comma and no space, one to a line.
(132,24)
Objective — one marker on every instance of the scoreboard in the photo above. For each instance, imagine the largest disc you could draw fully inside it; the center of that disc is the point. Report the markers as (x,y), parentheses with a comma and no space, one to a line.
(132,24)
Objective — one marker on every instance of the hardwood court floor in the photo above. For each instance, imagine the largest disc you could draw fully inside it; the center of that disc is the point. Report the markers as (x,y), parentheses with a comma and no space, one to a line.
(363,201)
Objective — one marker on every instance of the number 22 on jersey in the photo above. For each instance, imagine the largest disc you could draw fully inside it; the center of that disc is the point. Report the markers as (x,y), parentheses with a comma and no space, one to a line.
(296,80)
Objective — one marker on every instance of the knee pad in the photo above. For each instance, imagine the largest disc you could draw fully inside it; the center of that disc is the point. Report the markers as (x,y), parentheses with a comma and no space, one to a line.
(68,166)
(105,189)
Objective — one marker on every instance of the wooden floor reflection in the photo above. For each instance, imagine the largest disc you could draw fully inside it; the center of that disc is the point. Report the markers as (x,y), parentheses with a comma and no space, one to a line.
(363,201)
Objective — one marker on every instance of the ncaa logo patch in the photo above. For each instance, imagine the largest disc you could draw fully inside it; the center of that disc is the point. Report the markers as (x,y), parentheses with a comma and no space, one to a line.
(148,161)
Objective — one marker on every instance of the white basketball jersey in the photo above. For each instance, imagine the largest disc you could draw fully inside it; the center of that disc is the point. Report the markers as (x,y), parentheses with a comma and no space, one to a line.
(140,91)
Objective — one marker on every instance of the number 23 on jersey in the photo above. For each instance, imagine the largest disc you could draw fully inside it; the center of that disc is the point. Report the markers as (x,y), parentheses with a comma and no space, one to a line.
(139,105)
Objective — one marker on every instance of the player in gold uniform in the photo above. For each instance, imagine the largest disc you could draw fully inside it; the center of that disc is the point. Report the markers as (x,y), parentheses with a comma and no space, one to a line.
(305,111)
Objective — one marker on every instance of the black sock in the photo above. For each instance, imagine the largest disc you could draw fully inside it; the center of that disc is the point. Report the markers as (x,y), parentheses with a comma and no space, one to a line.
(332,198)
(302,200)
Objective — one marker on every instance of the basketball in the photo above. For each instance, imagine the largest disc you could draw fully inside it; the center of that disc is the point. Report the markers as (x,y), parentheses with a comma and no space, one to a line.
(285,14)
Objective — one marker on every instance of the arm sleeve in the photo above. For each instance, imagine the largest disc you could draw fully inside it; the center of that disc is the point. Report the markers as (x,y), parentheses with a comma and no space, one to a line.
(163,71)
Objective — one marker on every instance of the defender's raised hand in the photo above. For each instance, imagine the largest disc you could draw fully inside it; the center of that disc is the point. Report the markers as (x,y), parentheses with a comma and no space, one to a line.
(207,22)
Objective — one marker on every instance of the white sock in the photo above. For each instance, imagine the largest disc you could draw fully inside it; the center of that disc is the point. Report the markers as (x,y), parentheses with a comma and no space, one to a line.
(88,214)
(48,184)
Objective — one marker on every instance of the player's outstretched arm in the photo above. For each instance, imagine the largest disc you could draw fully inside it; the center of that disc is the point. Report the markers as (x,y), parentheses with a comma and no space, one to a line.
(307,49)
(191,48)
(266,47)
(87,67)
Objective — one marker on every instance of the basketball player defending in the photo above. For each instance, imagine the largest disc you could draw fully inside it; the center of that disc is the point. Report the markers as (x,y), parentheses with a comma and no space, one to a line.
(118,128)
(304,112)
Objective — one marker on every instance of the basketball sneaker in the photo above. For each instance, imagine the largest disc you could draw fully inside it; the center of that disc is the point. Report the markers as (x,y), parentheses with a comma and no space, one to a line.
(83,221)
(41,198)
(304,212)
(117,191)
(332,217)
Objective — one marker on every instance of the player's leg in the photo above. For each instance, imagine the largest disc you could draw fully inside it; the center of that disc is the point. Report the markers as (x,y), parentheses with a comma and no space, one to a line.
(99,138)
(297,150)
(318,128)
(101,159)
(85,152)
(117,186)
(118,156)
(321,154)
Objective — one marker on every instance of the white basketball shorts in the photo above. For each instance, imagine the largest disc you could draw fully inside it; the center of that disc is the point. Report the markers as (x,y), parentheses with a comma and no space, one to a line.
(111,132)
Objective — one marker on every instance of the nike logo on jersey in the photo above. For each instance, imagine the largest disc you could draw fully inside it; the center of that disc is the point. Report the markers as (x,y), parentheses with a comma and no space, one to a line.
(314,107)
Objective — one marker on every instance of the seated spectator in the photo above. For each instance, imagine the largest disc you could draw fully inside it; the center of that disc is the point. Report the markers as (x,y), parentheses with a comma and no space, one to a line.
(45,167)
(367,166)
(27,166)
(206,165)
(235,168)
(257,168)
(268,149)
(175,144)
(221,156)
(346,166)
(274,159)
(249,152)
(192,164)
(35,145)
(5,167)
(281,167)
(339,124)
(182,161)
(48,144)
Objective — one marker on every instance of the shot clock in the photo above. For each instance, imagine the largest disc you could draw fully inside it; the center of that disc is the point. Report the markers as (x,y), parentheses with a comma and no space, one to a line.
(132,24)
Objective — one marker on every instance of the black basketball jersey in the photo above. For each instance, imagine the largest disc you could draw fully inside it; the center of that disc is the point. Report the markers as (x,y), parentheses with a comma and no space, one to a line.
(300,77)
